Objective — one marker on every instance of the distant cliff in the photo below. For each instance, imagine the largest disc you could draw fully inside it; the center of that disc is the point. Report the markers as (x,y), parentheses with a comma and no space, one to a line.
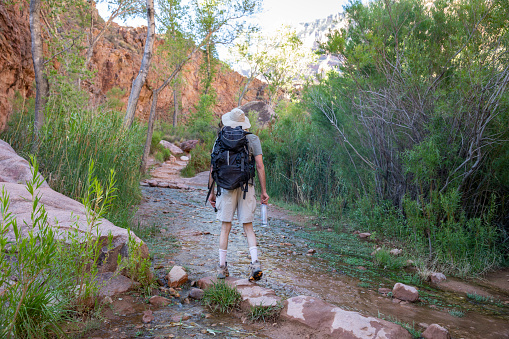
(117,58)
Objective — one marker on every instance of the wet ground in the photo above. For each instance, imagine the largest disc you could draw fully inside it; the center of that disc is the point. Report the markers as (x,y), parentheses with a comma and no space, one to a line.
(181,230)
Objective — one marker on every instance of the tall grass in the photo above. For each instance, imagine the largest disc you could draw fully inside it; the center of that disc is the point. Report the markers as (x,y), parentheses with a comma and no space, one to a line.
(72,136)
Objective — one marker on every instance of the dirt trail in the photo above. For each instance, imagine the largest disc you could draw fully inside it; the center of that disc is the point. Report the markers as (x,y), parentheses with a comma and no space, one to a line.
(182,216)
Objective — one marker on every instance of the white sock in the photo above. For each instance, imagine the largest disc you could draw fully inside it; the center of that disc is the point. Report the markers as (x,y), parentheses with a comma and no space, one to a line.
(254,253)
(222,257)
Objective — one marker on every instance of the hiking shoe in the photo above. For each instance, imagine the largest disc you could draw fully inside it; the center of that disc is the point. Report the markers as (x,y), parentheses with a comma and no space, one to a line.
(256,271)
(222,271)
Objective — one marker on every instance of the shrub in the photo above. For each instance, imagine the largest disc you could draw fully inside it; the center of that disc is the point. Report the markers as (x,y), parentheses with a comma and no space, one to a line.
(72,136)
(265,313)
(221,297)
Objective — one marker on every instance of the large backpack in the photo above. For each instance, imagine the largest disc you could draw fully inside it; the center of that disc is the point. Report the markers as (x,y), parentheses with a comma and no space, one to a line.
(232,166)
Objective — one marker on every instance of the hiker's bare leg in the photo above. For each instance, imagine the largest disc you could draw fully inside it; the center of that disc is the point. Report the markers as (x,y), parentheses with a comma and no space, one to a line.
(251,241)
(250,234)
(225,233)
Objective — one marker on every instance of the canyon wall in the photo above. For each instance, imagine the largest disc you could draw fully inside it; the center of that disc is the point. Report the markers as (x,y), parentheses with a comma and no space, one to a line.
(117,58)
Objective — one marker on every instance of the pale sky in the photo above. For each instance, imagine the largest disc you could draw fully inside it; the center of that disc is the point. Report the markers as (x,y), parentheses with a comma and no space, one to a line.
(276,12)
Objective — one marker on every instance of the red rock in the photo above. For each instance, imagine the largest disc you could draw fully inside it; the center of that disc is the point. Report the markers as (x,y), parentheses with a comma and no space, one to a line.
(159,301)
(147,316)
(436,278)
(435,331)
(175,150)
(196,293)
(111,284)
(177,276)
(405,292)
(188,145)
(152,183)
(338,323)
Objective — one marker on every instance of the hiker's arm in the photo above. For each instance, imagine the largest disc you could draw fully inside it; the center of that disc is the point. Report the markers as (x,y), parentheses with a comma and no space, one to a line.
(212,197)
(260,168)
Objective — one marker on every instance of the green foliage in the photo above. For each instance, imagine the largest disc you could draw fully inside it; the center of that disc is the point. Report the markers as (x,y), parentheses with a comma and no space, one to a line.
(200,160)
(410,328)
(76,135)
(457,313)
(386,260)
(480,298)
(221,297)
(265,313)
(54,272)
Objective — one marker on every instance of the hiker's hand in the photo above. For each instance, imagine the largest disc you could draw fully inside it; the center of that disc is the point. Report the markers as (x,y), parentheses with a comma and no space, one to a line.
(264,197)
(212,200)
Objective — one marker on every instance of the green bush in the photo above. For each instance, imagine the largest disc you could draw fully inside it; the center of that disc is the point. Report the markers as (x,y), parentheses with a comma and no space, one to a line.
(72,137)
(221,297)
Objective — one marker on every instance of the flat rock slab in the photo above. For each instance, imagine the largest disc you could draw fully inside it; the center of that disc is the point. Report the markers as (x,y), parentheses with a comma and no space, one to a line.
(317,314)
(111,284)
(65,215)
(252,294)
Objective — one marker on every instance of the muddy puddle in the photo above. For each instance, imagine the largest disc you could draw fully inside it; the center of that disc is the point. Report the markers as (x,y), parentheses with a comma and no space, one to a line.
(184,232)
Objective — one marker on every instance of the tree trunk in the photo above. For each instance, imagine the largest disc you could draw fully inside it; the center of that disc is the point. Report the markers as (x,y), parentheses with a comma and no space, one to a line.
(150,131)
(176,102)
(144,68)
(41,81)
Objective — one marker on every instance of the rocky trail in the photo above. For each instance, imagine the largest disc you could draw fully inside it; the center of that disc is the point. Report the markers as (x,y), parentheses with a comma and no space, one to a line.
(300,256)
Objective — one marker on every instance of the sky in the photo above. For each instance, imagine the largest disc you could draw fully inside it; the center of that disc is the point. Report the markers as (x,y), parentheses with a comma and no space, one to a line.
(275,12)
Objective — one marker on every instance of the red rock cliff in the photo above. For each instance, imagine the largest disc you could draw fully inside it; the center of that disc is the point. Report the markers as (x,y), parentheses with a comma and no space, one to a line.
(117,58)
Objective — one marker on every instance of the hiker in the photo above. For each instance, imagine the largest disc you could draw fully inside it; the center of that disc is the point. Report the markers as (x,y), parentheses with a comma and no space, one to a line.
(234,157)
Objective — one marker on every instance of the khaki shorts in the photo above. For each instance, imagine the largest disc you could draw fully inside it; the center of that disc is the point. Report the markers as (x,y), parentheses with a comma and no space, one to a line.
(230,201)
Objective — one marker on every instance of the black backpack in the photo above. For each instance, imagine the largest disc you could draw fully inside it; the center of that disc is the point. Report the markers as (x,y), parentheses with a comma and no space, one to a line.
(232,166)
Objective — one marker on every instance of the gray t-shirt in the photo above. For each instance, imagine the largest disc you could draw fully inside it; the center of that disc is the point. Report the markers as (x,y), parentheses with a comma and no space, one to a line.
(254,145)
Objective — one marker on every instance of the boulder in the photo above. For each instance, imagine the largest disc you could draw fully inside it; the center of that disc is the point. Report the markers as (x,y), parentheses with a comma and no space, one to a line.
(13,168)
(196,293)
(65,215)
(177,276)
(405,292)
(159,301)
(189,145)
(175,150)
(436,278)
(435,331)
(264,111)
(111,284)
(319,315)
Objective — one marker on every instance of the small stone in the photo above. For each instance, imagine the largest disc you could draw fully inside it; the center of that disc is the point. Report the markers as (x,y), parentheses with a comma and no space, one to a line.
(435,331)
(384,290)
(184,158)
(436,278)
(152,183)
(116,329)
(312,251)
(361,268)
(405,292)
(186,301)
(396,251)
(208,315)
(147,316)
(159,301)
(196,293)
(138,326)
(177,276)
(186,317)
(364,235)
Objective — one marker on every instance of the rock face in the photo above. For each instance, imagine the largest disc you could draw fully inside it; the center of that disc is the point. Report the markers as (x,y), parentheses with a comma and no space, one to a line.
(435,331)
(64,213)
(405,292)
(264,111)
(116,58)
(338,323)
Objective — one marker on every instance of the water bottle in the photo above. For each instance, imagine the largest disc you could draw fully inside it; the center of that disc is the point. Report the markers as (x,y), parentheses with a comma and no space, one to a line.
(264,215)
